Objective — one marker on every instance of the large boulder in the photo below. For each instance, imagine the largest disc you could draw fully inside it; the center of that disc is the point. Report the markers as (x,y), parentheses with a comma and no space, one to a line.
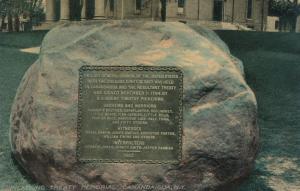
(220,134)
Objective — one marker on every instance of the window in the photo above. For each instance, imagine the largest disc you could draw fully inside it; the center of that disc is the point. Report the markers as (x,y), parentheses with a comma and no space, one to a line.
(138,4)
(218,10)
(249,9)
(180,6)
(181,3)
(276,25)
(111,5)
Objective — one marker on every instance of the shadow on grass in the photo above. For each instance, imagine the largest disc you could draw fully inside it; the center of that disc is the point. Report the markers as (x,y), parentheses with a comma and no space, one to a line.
(22,170)
(22,39)
(272,68)
(270,41)
(13,64)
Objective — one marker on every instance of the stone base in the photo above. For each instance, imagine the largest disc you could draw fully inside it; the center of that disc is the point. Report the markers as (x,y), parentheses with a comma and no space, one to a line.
(99,18)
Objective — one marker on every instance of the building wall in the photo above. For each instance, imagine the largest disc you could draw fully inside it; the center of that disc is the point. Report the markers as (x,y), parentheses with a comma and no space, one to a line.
(202,7)
(271,24)
(228,11)
(234,11)
(239,14)
(128,8)
(206,10)
(172,9)
(193,9)
(257,14)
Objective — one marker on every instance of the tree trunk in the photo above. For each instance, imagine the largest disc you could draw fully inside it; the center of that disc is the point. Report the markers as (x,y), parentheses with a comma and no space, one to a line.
(10,23)
(2,23)
(30,22)
(17,23)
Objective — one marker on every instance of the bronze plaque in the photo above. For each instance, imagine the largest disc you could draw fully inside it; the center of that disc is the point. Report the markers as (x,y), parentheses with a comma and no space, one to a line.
(130,114)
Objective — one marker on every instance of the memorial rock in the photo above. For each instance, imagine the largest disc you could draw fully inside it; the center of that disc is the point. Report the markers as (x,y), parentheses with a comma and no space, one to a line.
(219,129)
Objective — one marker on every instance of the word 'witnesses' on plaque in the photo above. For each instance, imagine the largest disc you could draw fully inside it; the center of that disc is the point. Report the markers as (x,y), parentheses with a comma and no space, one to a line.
(130,114)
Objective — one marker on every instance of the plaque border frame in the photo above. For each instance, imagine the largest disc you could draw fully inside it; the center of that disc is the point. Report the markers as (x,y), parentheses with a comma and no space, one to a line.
(130,68)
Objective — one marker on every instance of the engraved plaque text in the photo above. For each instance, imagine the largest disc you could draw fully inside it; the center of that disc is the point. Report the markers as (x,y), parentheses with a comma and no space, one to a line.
(130,114)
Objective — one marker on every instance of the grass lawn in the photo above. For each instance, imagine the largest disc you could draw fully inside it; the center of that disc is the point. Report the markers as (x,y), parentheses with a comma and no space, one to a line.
(272,66)
(13,64)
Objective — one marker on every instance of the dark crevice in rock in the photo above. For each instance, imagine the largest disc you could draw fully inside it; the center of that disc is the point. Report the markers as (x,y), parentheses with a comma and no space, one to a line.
(28,176)
(193,96)
(166,36)
(96,179)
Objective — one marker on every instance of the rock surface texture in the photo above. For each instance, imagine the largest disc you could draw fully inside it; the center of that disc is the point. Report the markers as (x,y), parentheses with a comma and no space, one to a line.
(220,134)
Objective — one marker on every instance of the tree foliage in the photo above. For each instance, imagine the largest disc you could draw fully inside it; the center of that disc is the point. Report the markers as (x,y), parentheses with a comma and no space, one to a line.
(283,8)
(18,8)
